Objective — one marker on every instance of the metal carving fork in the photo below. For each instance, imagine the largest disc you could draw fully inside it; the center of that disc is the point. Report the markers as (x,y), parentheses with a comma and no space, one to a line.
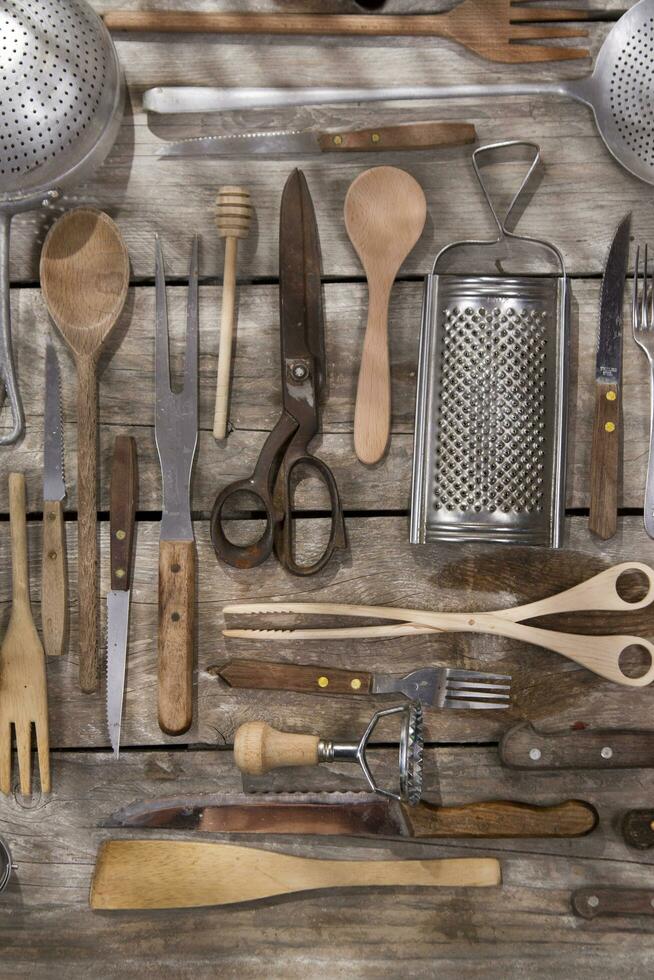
(642,314)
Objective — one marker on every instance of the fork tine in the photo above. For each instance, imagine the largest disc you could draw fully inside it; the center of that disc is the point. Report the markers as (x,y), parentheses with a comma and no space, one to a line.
(635,322)
(456,703)
(643,313)
(540,52)
(476,675)
(43,750)
(485,695)
(161,350)
(537,13)
(5,758)
(191,355)
(494,689)
(535,32)
(24,752)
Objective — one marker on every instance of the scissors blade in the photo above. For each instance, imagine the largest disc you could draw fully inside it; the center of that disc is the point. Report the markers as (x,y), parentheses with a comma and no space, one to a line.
(301,314)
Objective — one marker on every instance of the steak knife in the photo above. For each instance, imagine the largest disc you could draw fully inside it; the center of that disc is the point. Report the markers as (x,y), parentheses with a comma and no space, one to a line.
(590,903)
(124,493)
(54,582)
(605,448)
(522,747)
(406,136)
(355,815)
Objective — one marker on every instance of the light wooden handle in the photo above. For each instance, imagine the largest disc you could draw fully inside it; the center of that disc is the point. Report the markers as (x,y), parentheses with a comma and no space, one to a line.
(226,339)
(372,413)
(54,582)
(18,529)
(501,818)
(259,748)
(406,136)
(605,462)
(176,635)
(87,410)
(161,874)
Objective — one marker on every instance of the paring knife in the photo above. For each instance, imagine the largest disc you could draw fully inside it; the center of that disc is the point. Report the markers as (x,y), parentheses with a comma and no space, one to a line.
(54,579)
(124,494)
(605,449)
(356,815)
(522,747)
(441,687)
(590,903)
(406,136)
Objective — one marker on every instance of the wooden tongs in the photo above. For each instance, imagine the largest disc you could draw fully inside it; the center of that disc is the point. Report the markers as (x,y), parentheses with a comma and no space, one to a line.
(600,654)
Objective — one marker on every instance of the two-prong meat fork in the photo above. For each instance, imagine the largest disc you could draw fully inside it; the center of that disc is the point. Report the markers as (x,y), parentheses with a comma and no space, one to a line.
(642,318)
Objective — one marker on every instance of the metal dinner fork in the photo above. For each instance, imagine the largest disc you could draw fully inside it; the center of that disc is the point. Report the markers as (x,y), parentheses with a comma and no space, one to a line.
(642,318)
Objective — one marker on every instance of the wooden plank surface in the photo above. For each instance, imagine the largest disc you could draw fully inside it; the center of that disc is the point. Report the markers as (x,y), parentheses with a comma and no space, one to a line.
(524,929)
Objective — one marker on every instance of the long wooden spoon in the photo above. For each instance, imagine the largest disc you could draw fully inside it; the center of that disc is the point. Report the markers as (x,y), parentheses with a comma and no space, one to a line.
(385,212)
(84,279)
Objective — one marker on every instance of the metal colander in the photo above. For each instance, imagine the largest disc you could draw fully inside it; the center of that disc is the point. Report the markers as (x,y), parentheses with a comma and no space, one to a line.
(489,447)
(61,101)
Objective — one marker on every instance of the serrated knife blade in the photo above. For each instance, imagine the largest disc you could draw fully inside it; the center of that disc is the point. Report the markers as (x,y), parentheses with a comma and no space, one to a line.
(54,486)
(608,362)
(117,633)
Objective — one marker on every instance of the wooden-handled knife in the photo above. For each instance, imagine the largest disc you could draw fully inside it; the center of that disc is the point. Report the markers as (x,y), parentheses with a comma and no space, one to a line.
(590,903)
(605,448)
(522,747)
(54,578)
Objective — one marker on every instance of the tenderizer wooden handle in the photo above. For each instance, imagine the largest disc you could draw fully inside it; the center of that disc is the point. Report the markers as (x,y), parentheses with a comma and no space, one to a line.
(258,748)
(158,874)
(176,632)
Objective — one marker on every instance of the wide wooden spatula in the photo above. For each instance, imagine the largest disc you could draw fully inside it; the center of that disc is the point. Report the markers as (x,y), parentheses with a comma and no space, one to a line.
(167,874)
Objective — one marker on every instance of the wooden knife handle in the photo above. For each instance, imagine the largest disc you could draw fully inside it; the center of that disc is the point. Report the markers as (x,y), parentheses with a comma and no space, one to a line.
(593,902)
(605,462)
(149,874)
(124,493)
(304,678)
(522,747)
(54,580)
(498,818)
(638,829)
(176,634)
(407,136)
(258,748)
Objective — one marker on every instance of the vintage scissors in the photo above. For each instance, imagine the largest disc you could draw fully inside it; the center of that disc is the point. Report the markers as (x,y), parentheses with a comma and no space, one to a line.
(303,368)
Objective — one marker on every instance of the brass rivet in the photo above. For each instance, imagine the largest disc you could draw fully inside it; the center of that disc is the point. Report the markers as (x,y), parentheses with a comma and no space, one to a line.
(609,427)
(337,140)
(121,535)
(355,684)
(375,137)
(611,396)
(52,554)
(120,573)
(323,681)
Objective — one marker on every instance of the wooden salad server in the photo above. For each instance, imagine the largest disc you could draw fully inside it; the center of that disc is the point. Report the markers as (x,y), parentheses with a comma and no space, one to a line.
(23,687)
(84,279)
(174,874)
(385,213)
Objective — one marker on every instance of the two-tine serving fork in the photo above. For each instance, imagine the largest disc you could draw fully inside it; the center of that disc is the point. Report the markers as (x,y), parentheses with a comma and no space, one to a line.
(642,318)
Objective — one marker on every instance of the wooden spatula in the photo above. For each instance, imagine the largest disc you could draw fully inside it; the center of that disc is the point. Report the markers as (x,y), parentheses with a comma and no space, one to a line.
(23,691)
(166,874)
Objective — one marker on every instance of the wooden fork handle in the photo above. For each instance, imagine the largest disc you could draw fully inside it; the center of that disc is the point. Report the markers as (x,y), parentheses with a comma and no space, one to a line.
(304,678)
(177,561)
(18,533)
(372,413)
(54,583)
(605,462)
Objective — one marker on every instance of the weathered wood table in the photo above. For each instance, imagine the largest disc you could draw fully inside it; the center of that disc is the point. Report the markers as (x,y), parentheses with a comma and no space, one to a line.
(526,928)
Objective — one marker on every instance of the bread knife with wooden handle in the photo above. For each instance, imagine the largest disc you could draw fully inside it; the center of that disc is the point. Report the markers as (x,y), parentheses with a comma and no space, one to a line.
(168,874)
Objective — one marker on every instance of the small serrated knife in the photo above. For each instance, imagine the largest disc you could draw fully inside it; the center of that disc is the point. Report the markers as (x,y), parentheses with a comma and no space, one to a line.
(124,493)
(54,584)
(406,136)
(605,449)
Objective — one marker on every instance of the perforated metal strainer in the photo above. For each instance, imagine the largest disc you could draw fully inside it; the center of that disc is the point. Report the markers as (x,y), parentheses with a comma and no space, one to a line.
(61,102)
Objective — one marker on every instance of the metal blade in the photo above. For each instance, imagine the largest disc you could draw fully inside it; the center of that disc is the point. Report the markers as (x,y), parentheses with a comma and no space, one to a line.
(54,487)
(117,630)
(275,143)
(608,364)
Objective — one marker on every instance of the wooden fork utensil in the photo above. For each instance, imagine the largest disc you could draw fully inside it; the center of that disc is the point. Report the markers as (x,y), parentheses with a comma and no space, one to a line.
(23,690)
(499,30)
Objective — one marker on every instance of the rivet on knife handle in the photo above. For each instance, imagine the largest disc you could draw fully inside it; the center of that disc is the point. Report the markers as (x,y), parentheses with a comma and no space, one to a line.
(124,481)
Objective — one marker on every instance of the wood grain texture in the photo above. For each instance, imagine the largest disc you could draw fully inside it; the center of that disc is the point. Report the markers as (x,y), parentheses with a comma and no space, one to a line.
(176,634)
(406,136)
(605,462)
(265,675)
(259,748)
(54,580)
(124,500)
(501,819)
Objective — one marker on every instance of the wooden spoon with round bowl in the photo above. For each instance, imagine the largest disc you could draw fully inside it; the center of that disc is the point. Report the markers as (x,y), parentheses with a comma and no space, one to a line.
(385,212)
(84,280)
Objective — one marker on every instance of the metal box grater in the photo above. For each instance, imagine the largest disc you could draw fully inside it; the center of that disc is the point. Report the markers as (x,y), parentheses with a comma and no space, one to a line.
(489,447)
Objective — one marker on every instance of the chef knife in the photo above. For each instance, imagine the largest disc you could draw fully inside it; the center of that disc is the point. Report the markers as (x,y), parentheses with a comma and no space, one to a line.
(590,903)
(441,687)
(54,584)
(605,448)
(356,815)
(522,747)
(406,136)
(124,493)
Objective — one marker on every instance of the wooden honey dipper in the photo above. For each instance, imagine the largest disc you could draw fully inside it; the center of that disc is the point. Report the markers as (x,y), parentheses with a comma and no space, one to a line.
(233,215)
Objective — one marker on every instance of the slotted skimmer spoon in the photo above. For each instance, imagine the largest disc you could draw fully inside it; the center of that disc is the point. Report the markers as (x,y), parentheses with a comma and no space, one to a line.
(619,91)
(61,103)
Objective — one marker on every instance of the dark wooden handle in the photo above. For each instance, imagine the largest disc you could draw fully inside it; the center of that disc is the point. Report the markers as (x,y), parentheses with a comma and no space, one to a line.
(409,136)
(176,631)
(263,675)
(54,581)
(497,818)
(604,462)
(524,748)
(638,829)
(593,902)
(124,495)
